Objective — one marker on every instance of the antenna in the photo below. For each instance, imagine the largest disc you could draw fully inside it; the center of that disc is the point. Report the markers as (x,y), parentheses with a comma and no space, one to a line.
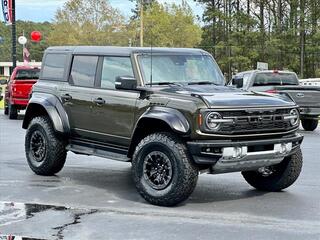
(151,59)
(151,49)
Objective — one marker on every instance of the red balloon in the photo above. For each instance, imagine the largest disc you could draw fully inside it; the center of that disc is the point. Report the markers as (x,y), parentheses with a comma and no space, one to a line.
(36,36)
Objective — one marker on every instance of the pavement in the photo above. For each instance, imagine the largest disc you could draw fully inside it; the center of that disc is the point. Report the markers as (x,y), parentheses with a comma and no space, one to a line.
(95,198)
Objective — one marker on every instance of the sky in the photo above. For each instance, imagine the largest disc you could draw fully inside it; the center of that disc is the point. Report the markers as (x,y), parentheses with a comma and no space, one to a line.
(44,10)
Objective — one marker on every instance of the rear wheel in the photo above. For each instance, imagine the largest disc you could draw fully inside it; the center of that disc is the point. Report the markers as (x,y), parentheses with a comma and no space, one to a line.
(276,177)
(12,111)
(309,124)
(6,110)
(162,170)
(45,150)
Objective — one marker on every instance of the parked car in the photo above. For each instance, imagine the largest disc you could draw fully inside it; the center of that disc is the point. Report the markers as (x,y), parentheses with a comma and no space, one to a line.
(167,111)
(3,82)
(284,82)
(18,89)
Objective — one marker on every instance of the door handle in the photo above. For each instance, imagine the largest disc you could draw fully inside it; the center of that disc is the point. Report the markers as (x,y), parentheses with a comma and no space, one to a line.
(66,97)
(99,101)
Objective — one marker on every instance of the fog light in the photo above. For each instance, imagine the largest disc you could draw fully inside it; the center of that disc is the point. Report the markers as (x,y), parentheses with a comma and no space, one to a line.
(283,149)
(238,152)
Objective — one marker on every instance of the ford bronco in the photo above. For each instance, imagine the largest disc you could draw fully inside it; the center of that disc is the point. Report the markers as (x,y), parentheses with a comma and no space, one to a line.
(165,110)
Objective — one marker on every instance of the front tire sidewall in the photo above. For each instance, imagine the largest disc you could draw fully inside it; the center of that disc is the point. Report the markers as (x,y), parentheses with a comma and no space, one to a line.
(289,171)
(139,168)
(184,172)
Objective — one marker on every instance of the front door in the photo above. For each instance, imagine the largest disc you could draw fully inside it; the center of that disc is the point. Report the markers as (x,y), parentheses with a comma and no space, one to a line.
(114,110)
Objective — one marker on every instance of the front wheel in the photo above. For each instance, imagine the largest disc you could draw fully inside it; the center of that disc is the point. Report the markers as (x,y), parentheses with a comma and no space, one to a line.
(45,150)
(309,124)
(277,177)
(162,170)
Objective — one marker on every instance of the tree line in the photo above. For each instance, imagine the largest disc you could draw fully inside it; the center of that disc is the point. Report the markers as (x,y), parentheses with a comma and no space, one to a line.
(283,33)
(239,33)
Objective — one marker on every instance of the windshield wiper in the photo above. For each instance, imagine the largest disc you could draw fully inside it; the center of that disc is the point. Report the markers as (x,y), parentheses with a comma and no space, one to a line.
(162,83)
(202,83)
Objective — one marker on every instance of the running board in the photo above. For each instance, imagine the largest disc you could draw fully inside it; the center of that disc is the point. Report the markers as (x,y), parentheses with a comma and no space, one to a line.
(88,148)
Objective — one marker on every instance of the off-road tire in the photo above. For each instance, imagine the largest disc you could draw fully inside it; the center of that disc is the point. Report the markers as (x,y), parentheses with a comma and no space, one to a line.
(55,153)
(309,124)
(184,172)
(12,111)
(285,175)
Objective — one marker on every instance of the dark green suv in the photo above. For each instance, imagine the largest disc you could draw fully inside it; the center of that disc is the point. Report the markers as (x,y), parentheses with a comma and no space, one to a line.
(167,111)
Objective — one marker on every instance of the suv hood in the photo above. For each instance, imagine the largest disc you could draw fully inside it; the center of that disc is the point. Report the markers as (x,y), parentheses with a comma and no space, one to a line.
(223,96)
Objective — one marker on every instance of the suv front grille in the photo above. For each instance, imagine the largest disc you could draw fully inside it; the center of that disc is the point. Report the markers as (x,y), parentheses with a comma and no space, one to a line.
(255,121)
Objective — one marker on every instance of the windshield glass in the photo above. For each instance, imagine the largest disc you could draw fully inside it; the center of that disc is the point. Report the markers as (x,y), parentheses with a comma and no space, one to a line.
(275,78)
(27,74)
(180,69)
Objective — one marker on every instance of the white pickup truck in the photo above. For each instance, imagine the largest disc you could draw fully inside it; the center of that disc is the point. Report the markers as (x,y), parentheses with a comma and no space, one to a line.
(284,82)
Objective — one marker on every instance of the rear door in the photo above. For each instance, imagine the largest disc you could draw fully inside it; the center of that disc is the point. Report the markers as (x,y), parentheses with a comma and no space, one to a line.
(77,97)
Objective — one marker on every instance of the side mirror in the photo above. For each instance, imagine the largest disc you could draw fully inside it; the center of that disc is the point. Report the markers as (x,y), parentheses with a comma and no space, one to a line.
(237,82)
(3,81)
(126,83)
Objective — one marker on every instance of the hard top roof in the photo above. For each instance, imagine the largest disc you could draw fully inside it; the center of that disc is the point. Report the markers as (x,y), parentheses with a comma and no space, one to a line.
(126,51)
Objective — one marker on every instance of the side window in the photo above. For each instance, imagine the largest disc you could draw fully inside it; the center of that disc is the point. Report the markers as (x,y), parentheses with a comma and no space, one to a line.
(53,67)
(83,70)
(246,77)
(115,67)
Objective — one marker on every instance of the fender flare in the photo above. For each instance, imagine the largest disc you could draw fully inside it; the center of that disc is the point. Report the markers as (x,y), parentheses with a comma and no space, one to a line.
(174,118)
(54,109)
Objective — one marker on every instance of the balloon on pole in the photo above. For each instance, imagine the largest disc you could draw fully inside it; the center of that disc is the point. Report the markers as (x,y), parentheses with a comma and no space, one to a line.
(36,36)
(22,40)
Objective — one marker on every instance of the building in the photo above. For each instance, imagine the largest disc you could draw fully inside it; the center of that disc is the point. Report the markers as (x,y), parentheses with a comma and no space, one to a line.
(6,67)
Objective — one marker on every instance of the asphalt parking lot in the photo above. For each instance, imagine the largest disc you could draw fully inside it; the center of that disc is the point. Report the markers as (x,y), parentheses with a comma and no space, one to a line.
(94,198)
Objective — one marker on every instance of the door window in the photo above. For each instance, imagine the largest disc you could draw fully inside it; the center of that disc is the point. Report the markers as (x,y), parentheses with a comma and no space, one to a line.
(84,70)
(114,67)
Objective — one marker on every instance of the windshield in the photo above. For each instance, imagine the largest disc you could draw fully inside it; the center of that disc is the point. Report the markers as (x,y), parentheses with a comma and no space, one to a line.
(27,74)
(275,78)
(180,69)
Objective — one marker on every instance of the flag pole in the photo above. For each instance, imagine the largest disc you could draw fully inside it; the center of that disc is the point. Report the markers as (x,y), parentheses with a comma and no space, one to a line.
(14,35)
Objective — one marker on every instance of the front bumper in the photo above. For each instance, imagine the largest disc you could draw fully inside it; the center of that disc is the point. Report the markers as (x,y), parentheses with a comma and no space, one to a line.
(232,156)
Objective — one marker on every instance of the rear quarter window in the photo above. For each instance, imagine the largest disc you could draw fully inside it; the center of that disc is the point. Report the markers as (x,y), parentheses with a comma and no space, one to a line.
(54,66)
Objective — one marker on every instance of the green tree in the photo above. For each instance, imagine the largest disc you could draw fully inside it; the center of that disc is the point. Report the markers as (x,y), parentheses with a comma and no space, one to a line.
(94,22)
(35,48)
(168,25)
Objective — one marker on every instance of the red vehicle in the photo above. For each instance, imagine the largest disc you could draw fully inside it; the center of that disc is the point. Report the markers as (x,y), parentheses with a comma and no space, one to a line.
(18,90)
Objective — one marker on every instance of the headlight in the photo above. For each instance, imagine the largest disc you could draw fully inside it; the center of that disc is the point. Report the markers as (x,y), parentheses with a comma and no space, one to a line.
(212,120)
(294,114)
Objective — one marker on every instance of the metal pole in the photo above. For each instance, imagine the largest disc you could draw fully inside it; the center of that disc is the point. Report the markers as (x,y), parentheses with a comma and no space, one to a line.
(14,40)
(141,23)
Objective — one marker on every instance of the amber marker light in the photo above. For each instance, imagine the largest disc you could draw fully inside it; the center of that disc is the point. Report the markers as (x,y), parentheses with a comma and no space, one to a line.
(200,119)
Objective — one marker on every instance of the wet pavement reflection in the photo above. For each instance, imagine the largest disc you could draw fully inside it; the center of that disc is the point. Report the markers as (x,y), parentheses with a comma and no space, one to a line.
(11,213)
